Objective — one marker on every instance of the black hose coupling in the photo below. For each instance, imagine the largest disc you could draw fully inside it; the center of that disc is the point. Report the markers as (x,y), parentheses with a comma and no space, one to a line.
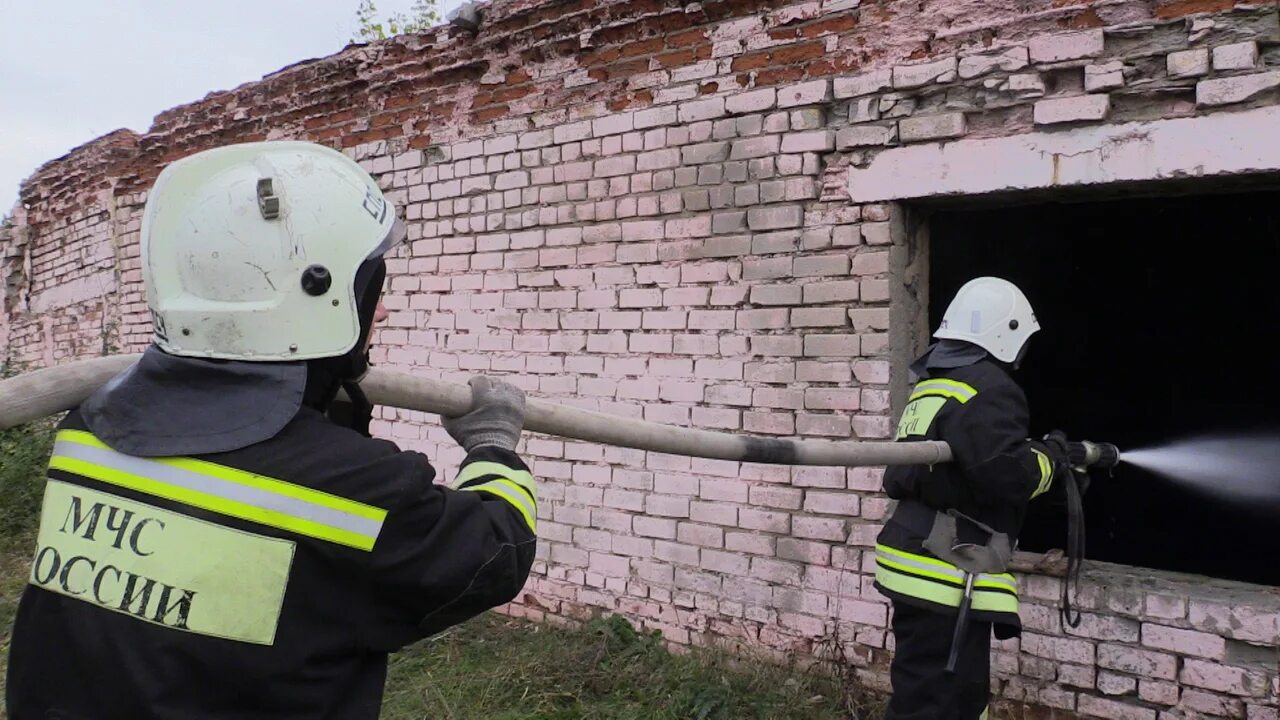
(1084,454)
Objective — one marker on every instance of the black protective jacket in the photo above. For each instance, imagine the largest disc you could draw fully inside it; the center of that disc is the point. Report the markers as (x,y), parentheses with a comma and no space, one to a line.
(996,469)
(270,581)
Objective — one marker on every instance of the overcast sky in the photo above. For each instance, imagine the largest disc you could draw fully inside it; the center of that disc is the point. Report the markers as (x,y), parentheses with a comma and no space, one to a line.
(73,70)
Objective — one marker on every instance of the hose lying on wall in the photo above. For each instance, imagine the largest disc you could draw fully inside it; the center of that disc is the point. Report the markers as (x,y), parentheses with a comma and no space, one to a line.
(42,393)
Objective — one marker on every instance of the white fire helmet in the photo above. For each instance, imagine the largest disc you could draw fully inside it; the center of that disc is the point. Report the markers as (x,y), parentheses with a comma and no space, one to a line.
(991,313)
(250,251)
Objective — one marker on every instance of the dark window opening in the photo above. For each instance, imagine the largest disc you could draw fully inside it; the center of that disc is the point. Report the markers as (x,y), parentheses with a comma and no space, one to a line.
(1157,318)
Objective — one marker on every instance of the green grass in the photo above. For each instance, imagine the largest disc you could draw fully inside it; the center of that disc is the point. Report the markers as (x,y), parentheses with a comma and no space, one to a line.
(495,667)
(503,669)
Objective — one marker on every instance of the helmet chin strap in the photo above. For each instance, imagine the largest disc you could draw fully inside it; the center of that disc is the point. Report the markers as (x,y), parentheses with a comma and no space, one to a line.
(326,376)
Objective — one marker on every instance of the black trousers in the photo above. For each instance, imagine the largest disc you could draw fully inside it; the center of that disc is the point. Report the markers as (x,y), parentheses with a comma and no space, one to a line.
(922,688)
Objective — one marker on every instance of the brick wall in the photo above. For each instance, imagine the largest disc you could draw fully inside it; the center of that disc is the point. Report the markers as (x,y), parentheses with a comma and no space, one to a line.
(641,208)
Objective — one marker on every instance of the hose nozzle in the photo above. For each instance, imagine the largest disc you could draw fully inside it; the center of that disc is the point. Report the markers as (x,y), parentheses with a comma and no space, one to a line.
(1086,454)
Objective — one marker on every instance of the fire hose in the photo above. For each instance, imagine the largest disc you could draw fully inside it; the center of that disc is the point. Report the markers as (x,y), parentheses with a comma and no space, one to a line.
(43,393)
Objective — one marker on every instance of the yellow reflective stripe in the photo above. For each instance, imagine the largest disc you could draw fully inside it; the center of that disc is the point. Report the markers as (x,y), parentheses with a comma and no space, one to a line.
(933,567)
(212,502)
(523,478)
(514,496)
(1046,473)
(983,716)
(954,389)
(944,594)
(81,453)
(261,482)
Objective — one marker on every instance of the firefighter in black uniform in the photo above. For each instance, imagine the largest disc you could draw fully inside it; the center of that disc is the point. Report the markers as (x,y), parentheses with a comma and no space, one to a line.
(220,538)
(949,540)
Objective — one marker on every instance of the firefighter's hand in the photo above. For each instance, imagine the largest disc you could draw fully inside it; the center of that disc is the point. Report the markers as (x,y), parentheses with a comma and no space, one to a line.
(1062,456)
(496,416)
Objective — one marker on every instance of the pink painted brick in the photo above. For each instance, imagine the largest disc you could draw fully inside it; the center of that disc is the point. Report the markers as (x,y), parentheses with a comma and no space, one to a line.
(1066,46)
(870,263)
(776,571)
(832,290)
(875,401)
(869,319)
(832,345)
(815,371)
(818,317)
(1137,662)
(701,535)
(667,506)
(681,391)
(819,265)
(819,528)
(1103,627)
(762,319)
(769,423)
(750,543)
(766,268)
(766,520)
(665,319)
(1061,649)
(685,297)
(871,372)
(1236,56)
(1222,678)
(1215,705)
(633,546)
(1113,709)
(726,489)
(655,527)
(776,295)
(1114,684)
(769,372)
(712,319)
(696,110)
(1184,642)
(675,484)
(709,369)
(785,498)
(863,612)
(750,102)
(1159,692)
(865,479)
(832,399)
(823,425)
(1081,676)
(775,346)
(837,503)
(624,499)
(874,290)
(1258,712)
(1081,108)
(713,513)
(805,551)
(778,398)
(589,539)
(717,418)
(814,92)
(675,552)
(818,477)
(726,562)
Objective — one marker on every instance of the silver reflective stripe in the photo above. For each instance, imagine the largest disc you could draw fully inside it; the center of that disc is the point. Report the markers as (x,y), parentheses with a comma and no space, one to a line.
(217,487)
(951,572)
(951,388)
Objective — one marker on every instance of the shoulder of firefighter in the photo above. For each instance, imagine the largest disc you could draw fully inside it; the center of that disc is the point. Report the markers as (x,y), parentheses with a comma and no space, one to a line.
(996,470)
(267,581)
